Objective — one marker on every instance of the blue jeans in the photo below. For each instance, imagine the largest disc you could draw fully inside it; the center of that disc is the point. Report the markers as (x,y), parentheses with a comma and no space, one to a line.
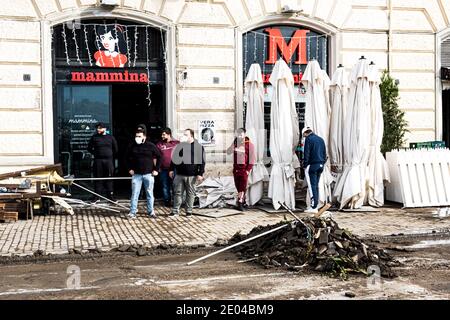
(136,185)
(312,174)
(166,183)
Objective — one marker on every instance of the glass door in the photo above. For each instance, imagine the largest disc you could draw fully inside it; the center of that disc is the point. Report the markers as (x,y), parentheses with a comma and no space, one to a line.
(79,108)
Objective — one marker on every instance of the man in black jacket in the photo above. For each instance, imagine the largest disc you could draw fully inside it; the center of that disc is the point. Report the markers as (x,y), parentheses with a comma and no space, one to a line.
(143,161)
(104,148)
(188,162)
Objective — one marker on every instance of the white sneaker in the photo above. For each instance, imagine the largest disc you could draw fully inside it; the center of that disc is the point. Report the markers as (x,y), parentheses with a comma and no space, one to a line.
(131,216)
(311,210)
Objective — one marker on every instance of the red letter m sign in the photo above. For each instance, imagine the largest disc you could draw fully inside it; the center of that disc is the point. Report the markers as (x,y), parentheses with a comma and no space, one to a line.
(278,43)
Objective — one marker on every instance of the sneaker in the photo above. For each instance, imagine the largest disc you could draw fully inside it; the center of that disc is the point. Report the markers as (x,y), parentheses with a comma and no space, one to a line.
(152,215)
(188,214)
(173,214)
(167,204)
(240,207)
(311,210)
(131,216)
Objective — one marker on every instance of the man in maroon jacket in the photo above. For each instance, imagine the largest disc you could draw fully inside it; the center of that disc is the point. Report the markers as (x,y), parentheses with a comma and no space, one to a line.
(166,147)
(243,161)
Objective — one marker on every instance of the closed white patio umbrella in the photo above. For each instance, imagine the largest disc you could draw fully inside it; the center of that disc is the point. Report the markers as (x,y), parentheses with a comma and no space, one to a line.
(284,135)
(351,188)
(378,171)
(254,124)
(317,117)
(339,96)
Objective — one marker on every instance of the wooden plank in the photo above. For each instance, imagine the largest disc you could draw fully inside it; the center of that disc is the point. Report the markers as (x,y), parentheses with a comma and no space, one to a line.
(53,167)
(9,216)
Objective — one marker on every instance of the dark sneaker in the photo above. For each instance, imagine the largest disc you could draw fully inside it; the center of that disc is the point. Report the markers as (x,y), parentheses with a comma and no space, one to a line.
(240,207)
(188,214)
(173,214)
(167,204)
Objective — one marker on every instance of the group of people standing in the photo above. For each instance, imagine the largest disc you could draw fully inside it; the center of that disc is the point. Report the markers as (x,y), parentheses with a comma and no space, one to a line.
(181,164)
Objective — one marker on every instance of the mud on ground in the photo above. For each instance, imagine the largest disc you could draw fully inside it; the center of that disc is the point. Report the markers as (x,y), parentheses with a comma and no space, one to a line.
(423,273)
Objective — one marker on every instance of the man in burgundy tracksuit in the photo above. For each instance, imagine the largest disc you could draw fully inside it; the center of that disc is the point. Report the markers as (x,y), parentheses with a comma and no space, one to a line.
(166,147)
(244,159)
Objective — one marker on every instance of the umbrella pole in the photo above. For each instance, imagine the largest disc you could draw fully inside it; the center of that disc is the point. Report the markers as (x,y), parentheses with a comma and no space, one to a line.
(237,244)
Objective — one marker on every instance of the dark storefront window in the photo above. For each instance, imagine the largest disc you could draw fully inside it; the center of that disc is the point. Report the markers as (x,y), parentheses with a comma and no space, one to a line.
(297,45)
(79,109)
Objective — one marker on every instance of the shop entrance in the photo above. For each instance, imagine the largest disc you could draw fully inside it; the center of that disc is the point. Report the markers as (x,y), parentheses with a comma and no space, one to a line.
(110,71)
(129,109)
(446,117)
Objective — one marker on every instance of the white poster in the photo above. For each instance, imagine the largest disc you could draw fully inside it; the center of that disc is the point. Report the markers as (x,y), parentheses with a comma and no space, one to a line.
(207,132)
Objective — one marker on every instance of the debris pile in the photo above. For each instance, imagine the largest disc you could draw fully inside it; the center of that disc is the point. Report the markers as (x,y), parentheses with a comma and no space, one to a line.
(23,192)
(314,244)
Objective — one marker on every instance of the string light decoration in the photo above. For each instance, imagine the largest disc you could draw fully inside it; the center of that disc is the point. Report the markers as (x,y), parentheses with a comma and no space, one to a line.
(317,49)
(246,53)
(148,67)
(264,64)
(64,36)
(300,68)
(87,45)
(127,40)
(97,41)
(254,48)
(136,34)
(77,48)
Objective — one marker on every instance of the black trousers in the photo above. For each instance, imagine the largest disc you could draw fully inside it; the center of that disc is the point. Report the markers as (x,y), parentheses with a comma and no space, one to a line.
(104,168)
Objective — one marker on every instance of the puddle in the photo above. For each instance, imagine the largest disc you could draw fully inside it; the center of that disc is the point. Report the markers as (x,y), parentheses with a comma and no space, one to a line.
(429,243)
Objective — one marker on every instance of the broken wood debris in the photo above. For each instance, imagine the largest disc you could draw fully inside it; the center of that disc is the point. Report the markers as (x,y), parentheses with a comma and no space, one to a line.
(332,250)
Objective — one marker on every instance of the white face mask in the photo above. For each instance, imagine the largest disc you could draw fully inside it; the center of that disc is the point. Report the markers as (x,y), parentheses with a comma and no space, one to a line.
(139,140)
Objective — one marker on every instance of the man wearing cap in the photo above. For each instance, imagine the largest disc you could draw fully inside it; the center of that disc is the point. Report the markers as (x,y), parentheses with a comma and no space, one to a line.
(104,148)
(314,158)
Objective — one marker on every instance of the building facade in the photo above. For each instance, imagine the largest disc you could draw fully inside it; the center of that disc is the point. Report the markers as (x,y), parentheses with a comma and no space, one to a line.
(183,65)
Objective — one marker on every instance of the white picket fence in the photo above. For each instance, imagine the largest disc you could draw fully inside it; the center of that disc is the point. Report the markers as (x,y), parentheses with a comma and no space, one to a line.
(419,177)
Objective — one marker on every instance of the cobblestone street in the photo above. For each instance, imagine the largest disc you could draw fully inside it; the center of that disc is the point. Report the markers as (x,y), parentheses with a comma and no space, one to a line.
(93,229)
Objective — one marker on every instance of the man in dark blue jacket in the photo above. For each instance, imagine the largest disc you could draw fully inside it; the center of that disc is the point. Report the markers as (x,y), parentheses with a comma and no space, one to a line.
(315,156)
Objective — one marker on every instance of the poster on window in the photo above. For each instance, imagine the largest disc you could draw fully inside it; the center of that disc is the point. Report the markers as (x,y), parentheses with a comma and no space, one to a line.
(207,132)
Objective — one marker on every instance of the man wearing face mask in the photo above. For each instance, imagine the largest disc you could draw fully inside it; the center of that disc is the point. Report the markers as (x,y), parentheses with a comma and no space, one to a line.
(188,160)
(166,146)
(143,162)
(104,148)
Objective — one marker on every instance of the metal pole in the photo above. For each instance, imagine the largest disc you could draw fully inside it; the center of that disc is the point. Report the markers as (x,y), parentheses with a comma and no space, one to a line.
(98,179)
(100,196)
(74,201)
(308,230)
(284,206)
(237,244)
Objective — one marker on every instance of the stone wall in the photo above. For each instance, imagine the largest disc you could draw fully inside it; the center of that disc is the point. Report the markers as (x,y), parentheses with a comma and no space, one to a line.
(205,47)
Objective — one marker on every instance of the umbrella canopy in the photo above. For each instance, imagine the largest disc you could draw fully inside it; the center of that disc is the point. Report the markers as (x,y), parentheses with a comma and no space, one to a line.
(254,124)
(317,115)
(284,135)
(339,95)
(217,192)
(378,171)
(351,188)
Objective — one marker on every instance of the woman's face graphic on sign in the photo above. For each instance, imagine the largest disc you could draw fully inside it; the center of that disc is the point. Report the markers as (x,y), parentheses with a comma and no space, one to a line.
(108,54)
(109,42)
